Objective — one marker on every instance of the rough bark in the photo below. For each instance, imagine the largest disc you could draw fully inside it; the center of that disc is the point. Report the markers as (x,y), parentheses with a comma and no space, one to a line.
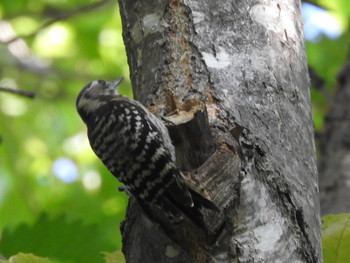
(334,165)
(245,60)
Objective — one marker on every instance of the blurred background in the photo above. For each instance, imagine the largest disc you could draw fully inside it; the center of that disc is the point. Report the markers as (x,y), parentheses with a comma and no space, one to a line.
(56,198)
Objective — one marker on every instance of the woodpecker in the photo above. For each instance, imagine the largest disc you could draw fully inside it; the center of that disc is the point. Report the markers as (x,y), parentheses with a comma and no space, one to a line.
(136,148)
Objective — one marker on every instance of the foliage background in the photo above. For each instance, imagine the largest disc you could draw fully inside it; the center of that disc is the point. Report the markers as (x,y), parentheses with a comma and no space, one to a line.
(62,46)
(69,221)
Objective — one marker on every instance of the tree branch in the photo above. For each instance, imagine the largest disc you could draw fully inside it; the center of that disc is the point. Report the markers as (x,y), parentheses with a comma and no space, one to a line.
(59,17)
(24,93)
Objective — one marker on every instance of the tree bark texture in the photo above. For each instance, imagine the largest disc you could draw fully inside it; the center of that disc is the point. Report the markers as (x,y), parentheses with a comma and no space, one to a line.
(231,78)
(334,144)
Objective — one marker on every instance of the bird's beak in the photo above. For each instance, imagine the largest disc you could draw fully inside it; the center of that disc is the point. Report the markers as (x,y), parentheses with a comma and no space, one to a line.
(114,84)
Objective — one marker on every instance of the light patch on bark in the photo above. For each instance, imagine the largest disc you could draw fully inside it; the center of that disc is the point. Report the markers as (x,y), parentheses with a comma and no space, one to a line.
(268,16)
(267,223)
(269,235)
(275,18)
(136,33)
(139,57)
(197,17)
(221,60)
(151,23)
(171,252)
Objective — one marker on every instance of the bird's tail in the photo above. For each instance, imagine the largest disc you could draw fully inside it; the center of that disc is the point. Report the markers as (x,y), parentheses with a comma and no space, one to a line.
(189,201)
(200,199)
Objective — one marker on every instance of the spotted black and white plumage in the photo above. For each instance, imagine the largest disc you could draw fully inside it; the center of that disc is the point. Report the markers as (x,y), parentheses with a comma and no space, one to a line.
(136,148)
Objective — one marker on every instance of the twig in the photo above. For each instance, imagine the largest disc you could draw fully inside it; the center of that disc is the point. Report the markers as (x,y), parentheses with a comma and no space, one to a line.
(60,17)
(24,93)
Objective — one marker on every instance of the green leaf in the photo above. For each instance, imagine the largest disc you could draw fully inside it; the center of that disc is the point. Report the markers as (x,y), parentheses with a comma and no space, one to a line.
(59,239)
(327,57)
(27,258)
(336,238)
(114,257)
(341,6)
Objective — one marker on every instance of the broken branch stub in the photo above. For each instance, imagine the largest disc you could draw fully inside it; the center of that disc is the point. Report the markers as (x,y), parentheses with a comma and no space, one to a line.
(190,132)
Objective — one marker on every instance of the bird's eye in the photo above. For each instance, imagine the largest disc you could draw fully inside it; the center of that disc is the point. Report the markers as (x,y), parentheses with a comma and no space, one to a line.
(102,82)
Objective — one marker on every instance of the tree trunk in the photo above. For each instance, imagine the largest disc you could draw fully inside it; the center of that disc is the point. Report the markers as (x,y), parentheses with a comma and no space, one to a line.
(232,76)
(334,164)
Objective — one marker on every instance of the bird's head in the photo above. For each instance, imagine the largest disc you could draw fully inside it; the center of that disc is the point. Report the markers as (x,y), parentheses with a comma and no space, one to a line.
(96,94)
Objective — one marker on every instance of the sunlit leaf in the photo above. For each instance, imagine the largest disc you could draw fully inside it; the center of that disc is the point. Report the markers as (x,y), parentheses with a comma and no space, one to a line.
(27,258)
(114,257)
(336,238)
(58,238)
(341,6)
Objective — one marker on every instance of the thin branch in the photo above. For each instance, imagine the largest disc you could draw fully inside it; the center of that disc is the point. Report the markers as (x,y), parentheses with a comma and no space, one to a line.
(24,93)
(59,17)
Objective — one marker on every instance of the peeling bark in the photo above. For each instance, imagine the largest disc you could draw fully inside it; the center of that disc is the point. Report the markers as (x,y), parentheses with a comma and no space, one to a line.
(251,143)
